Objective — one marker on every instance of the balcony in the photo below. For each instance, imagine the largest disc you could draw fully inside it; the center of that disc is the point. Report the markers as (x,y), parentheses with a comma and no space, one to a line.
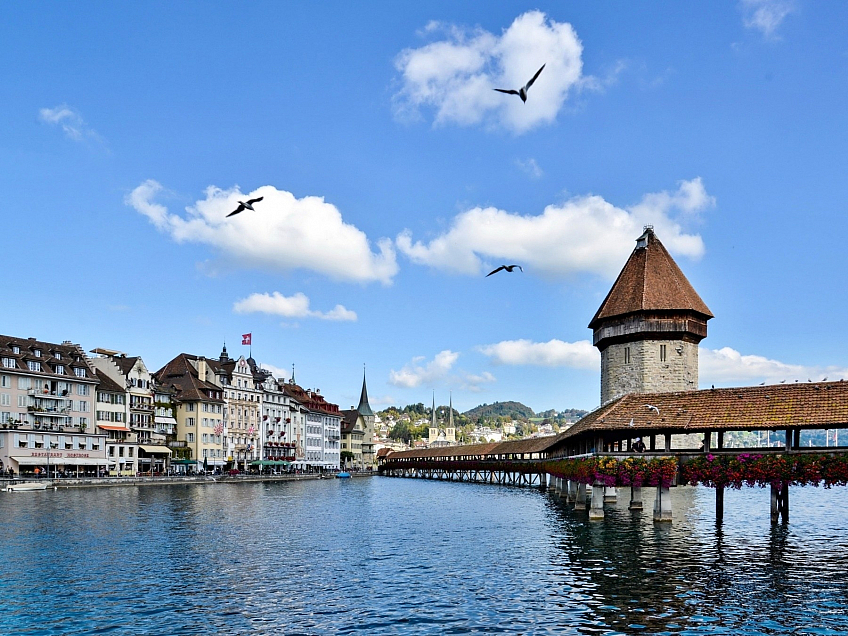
(142,406)
(47,394)
(49,411)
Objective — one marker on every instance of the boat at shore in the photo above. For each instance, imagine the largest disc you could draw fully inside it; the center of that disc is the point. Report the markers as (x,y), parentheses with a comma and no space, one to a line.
(27,485)
(343,475)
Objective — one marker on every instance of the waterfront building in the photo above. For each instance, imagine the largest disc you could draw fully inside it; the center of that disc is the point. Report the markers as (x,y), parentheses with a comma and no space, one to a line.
(320,428)
(243,404)
(47,394)
(649,325)
(199,412)
(276,426)
(352,434)
(296,429)
(110,418)
(151,454)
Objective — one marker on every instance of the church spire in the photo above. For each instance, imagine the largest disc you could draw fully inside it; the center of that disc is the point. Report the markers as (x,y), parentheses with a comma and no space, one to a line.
(364,408)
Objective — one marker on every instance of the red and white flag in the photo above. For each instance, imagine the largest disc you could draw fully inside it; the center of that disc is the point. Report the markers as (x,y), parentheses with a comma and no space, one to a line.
(245,338)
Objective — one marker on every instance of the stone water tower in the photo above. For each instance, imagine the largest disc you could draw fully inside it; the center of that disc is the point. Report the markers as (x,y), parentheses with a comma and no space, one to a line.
(649,325)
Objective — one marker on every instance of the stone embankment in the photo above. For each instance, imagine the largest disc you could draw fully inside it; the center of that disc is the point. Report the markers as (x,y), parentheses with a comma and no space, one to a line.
(105,482)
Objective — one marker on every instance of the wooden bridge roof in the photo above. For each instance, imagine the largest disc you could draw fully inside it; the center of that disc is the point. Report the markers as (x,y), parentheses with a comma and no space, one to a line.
(511,447)
(774,407)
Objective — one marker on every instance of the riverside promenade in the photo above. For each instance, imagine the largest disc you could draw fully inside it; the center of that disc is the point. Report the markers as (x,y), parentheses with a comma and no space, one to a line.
(110,482)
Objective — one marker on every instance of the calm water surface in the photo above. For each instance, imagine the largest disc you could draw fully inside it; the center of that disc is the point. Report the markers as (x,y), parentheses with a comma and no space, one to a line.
(398,556)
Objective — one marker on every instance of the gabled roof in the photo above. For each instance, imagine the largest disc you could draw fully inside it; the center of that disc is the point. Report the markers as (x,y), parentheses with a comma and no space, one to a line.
(349,419)
(776,406)
(124,363)
(650,281)
(67,355)
(108,384)
(182,375)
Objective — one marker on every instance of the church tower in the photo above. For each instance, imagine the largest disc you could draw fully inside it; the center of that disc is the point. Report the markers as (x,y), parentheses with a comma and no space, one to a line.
(369,419)
(649,325)
(450,430)
(433,435)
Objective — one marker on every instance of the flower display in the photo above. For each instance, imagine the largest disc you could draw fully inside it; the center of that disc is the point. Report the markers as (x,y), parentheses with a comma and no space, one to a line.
(734,471)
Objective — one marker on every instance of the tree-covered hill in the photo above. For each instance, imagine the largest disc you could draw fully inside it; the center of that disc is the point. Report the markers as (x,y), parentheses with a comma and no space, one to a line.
(513,410)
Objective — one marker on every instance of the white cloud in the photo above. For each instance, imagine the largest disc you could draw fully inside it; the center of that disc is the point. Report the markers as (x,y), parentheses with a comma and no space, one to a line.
(765,15)
(718,366)
(554,353)
(530,167)
(277,372)
(456,76)
(584,234)
(296,306)
(473,382)
(417,372)
(69,120)
(284,233)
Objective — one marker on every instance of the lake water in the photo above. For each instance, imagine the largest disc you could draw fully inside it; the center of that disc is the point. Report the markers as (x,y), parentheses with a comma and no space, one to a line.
(402,556)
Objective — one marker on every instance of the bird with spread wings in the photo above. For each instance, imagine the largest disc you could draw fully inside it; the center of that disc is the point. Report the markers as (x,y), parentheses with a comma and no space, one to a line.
(508,268)
(522,92)
(245,205)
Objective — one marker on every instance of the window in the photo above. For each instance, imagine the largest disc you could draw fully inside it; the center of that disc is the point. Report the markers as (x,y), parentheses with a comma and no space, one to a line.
(9,363)
(16,349)
(190,406)
(82,406)
(36,353)
(83,389)
(189,437)
(58,355)
(5,399)
(22,401)
(662,353)
(60,369)
(79,372)
(189,421)
(5,381)
(626,355)
(34,365)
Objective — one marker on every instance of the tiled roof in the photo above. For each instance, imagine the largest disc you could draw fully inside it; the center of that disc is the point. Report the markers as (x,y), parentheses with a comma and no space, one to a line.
(124,363)
(108,384)
(349,418)
(776,407)
(182,375)
(511,447)
(650,281)
(68,355)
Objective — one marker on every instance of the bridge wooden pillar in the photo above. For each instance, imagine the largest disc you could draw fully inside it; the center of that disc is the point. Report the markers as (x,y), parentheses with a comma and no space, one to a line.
(610,494)
(780,503)
(571,497)
(580,499)
(719,492)
(596,511)
(635,498)
(662,504)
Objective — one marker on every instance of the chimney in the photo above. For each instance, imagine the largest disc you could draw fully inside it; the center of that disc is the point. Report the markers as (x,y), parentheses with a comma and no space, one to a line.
(201,368)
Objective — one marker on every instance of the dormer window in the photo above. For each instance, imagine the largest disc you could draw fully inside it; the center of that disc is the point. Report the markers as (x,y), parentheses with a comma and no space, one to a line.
(79,372)
(60,369)
(58,355)
(9,363)
(34,365)
(36,353)
(16,349)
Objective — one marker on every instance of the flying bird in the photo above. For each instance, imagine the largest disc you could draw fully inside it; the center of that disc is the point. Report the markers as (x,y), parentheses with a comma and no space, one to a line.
(245,205)
(631,422)
(653,408)
(522,92)
(508,268)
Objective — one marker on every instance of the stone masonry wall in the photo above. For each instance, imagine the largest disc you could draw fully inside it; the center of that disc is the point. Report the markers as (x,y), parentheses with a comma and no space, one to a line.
(646,372)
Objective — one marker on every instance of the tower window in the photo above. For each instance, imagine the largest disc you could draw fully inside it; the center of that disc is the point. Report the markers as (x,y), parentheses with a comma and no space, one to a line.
(663,357)
(626,355)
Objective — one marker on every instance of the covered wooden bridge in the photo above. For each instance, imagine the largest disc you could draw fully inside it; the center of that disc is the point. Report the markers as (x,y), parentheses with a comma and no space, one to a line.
(689,437)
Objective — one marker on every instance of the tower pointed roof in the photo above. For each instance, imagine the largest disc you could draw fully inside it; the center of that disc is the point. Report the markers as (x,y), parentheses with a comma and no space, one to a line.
(433,412)
(650,281)
(450,410)
(364,408)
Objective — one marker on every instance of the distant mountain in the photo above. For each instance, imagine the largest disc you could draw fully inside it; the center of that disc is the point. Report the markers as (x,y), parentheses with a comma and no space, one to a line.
(514,410)
(567,415)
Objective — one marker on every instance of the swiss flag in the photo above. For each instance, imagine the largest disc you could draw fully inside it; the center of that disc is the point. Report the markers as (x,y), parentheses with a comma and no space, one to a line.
(245,338)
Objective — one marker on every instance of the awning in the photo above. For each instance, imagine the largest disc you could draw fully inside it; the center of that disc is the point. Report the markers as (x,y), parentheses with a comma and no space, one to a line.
(113,427)
(184,462)
(82,461)
(159,419)
(155,449)
(33,461)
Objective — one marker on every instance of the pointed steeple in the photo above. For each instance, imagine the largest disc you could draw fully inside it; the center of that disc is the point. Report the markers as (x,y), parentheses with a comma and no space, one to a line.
(292,378)
(450,410)
(364,408)
(224,357)
(433,418)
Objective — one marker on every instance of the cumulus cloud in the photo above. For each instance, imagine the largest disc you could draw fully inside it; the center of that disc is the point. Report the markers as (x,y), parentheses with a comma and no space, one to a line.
(456,75)
(419,372)
(473,382)
(765,15)
(584,234)
(728,365)
(284,233)
(69,120)
(554,353)
(296,306)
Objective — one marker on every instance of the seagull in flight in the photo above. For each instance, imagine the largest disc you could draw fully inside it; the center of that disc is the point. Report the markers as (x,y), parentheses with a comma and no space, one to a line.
(653,408)
(522,92)
(508,268)
(631,422)
(245,205)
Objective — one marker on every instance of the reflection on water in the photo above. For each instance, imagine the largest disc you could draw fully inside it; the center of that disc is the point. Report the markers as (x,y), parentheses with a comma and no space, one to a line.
(389,556)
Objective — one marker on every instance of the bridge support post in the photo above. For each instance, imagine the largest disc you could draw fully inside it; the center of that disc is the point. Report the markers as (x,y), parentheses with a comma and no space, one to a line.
(779,503)
(596,511)
(719,504)
(662,504)
(562,487)
(610,495)
(580,499)
(571,495)
(635,498)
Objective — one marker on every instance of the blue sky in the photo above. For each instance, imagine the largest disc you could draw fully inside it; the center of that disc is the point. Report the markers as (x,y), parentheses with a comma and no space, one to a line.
(395,178)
